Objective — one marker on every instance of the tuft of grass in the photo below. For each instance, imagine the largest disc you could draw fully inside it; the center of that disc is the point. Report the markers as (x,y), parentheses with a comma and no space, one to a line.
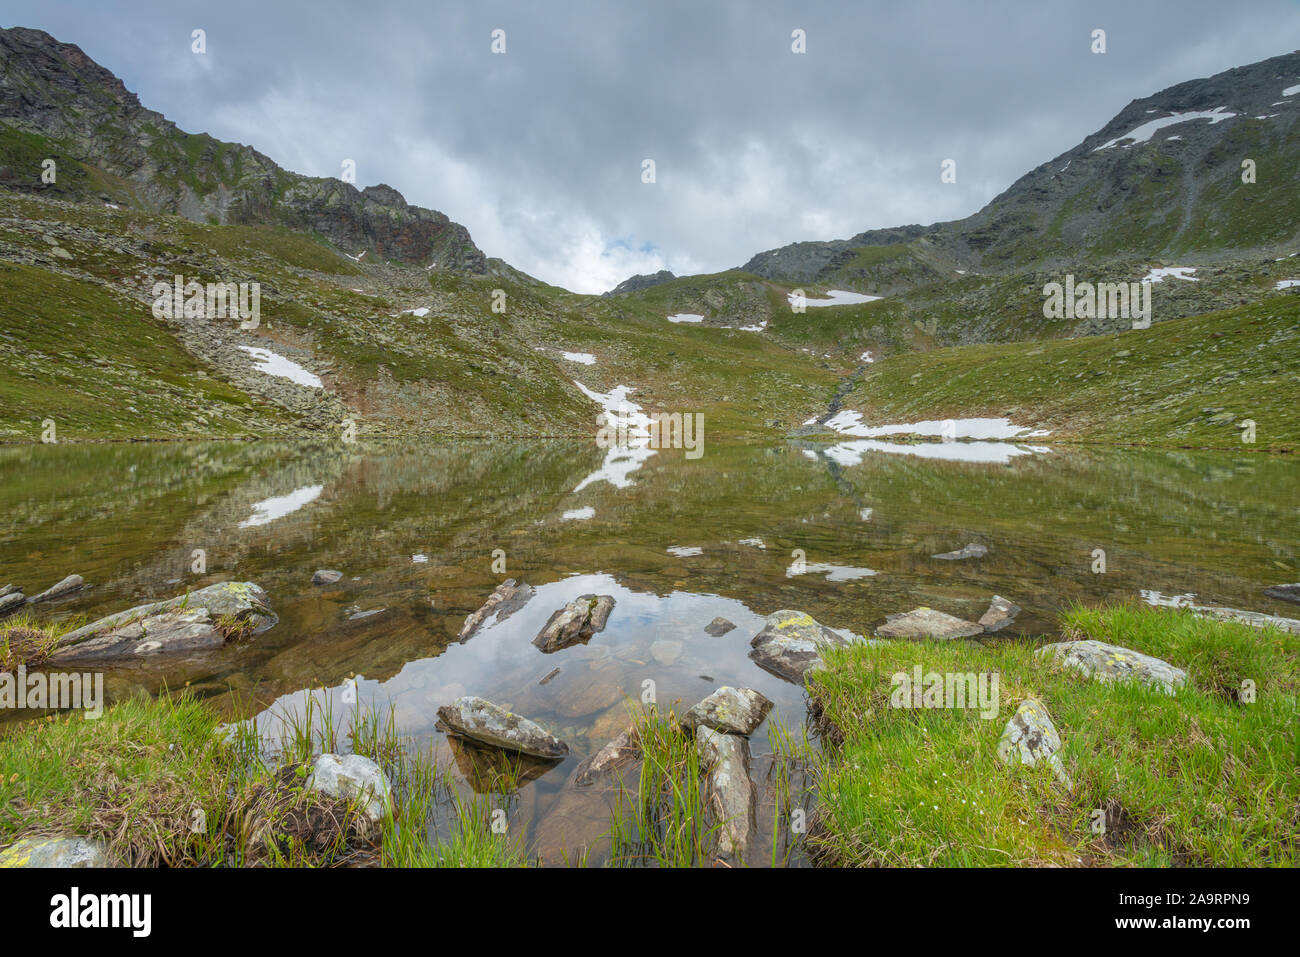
(1197,778)
(26,641)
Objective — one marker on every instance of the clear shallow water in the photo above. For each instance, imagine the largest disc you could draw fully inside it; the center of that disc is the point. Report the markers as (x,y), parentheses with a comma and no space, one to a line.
(675,541)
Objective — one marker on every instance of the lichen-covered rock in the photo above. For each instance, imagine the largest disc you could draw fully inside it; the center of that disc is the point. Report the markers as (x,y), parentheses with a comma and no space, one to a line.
(482,721)
(790,644)
(729,791)
(1030,737)
(55,852)
(205,618)
(506,599)
(575,623)
(1104,662)
(1000,614)
(729,710)
(326,576)
(60,589)
(353,778)
(1253,618)
(927,623)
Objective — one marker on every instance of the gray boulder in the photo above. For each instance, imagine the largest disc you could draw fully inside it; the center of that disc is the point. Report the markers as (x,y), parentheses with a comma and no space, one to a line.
(927,623)
(718,627)
(60,589)
(1253,618)
(616,753)
(729,791)
(482,721)
(1030,737)
(1096,659)
(575,623)
(326,576)
(729,710)
(353,778)
(790,644)
(206,618)
(11,602)
(506,599)
(966,551)
(1000,614)
(55,852)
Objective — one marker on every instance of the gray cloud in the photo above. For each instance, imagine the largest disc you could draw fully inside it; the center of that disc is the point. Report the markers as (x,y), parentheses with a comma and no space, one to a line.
(539,151)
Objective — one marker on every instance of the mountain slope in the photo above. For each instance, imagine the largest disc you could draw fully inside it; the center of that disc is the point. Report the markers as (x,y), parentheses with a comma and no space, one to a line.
(55,102)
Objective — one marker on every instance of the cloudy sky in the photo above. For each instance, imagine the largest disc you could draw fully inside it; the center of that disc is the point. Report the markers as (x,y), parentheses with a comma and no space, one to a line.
(539,151)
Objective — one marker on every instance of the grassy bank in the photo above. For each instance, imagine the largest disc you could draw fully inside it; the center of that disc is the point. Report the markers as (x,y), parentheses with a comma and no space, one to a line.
(1186,382)
(1202,778)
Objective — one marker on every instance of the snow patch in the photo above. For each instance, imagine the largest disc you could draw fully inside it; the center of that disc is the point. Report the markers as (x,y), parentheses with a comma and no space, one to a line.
(586,358)
(1144,132)
(833,573)
(686,317)
(1178,272)
(685,551)
(838,297)
(277,365)
(850,423)
(272,508)
(578,514)
(1286,283)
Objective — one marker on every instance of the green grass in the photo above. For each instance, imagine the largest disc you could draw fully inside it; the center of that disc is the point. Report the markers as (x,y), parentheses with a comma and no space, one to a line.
(1202,778)
(1143,387)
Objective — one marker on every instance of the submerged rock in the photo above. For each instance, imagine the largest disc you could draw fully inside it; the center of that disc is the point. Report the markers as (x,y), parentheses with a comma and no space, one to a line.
(790,644)
(60,589)
(353,778)
(55,852)
(729,792)
(972,550)
(481,720)
(326,576)
(575,623)
(1096,659)
(718,627)
(927,623)
(506,599)
(666,651)
(1000,614)
(1030,737)
(205,618)
(729,710)
(616,753)
(1284,592)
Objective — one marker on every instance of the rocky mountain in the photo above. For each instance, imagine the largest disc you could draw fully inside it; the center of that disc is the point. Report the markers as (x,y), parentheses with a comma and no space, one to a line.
(57,103)
(641,281)
(1163,178)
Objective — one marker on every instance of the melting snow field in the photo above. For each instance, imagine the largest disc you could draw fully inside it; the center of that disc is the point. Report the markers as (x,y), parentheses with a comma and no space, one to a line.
(586,358)
(1286,283)
(686,317)
(685,551)
(1144,132)
(1290,91)
(838,297)
(850,423)
(277,365)
(1177,272)
(273,508)
(418,313)
(579,514)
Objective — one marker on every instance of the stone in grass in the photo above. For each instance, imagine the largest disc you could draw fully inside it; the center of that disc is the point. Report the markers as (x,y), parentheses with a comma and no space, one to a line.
(353,778)
(55,852)
(60,589)
(1284,592)
(790,644)
(1096,659)
(972,550)
(1030,737)
(506,599)
(927,623)
(1000,614)
(729,791)
(326,576)
(482,721)
(575,623)
(718,627)
(729,710)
